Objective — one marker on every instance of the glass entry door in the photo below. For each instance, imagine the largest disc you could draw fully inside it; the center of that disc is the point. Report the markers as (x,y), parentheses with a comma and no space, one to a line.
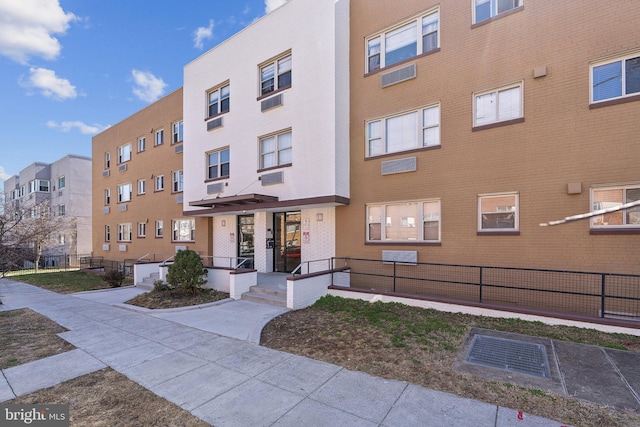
(245,239)
(287,241)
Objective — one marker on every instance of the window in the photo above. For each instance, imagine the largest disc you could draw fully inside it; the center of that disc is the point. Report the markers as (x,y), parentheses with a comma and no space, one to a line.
(159,137)
(275,75)
(218,100)
(613,197)
(61,183)
(107,160)
(485,9)
(159,182)
(124,232)
(275,150)
(124,153)
(614,79)
(176,181)
(498,105)
(177,132)
(22,191)
(404,222)
(142,144)
(498,212)
(142,186)
(41,185)
(61,210)
(416,129)
(124,193)
(107,233)
(142,229)
(107,196)
(61,239)
(159,228)
(218,164)
(416,37)
(184,230)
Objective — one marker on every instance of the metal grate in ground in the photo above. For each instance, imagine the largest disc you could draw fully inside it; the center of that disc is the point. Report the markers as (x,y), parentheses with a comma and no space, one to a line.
(509,355)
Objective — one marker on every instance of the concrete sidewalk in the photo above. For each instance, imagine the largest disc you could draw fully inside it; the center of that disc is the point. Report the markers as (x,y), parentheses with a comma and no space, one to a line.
(226,381)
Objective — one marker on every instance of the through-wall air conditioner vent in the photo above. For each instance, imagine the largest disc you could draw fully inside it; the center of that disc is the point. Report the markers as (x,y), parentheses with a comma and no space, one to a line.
(105,247)
(215,188)
(272,178)
(122,248)
(399,75)
(404,257)
(106,173)
(106,209)
(178,149)
(214,124)
(270,103)
(122,208)
(179,198)
(391,167)
(122,168)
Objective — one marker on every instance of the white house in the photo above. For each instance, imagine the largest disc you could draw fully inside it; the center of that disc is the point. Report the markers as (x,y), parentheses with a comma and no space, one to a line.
(266,114)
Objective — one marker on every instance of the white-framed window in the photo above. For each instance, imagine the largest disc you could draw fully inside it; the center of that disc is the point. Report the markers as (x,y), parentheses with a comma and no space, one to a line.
(218,164)
(498,212)
(32,186)
(159,182)
(613,197)
(159,137)
(107,160)
(107,233)
(22,191)
(615,78)
(124,193)
(485,9)
(159,228)
(412,221)
(62,210)
(498,105)
(40,185)
(184,230)
(142,144)
(107,196)
(218,100)
(419,35)
(124,232)
(142,186)
(61,182)
(177,132)
(61,239)
(124,153)
(406,131)
(142,229)
(276,150)
(275,74)
(176,181)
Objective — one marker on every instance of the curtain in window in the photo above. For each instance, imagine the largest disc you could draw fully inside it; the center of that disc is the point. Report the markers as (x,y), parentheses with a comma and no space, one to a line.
(486,108)
(375,138)
(401,44)
(401,132)
(509,104)
(431,128)
(284,148)
(430,32)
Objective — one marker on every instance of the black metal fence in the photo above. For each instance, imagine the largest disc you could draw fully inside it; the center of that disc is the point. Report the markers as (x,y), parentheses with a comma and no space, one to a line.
(565,292)
(29,263)
(125,266)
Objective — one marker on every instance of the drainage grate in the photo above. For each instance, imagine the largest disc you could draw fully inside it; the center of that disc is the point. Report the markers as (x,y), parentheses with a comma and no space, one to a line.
(509,355)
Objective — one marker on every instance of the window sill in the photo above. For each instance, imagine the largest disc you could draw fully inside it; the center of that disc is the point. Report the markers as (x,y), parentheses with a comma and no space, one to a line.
(287,165)
(624,100)
(177,192)
(499,16)
(273,92)
(413,58)
(392,243)
(206,119)
(401,153)
(159,237)
(183,241)
(497,124)
(216,179)
(158,191)
(142,237)
(499,233)
(141,194)
(177,143)
(614,231)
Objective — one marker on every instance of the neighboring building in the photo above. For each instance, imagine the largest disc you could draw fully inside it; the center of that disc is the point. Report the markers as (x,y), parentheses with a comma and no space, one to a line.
(138,184)
(266,120)
(474,122)
(66,185)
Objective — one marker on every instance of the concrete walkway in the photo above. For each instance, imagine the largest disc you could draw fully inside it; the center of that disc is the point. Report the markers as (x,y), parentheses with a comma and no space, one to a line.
(223,380)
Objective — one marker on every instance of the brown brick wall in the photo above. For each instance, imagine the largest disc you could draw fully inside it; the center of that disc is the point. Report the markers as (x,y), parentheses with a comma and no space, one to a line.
(561,140)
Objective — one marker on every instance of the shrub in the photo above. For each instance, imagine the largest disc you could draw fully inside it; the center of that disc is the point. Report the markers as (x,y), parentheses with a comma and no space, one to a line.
(114,278)
(160,286)
(187,272)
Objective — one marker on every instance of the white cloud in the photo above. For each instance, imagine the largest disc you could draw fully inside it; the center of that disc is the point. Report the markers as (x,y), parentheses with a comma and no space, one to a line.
(50,85)
(27,28)
(148,87)
(270,5)
(202,34)
(3,175)
(84,128)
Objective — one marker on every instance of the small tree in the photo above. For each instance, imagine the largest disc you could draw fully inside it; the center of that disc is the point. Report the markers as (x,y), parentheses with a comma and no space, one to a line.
(187,272)
(114,278)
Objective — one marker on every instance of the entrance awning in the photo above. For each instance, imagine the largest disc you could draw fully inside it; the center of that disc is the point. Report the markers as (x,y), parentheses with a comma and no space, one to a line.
(238,200)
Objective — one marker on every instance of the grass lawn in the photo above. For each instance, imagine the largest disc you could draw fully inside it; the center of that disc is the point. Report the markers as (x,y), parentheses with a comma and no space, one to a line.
(67,282)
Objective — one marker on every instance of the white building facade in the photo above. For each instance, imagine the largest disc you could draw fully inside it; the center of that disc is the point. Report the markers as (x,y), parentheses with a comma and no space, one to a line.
(266,114)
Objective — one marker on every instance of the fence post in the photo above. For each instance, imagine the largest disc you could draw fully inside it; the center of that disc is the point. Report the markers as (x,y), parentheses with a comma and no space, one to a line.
(394,276)
(480,285)
(602,296)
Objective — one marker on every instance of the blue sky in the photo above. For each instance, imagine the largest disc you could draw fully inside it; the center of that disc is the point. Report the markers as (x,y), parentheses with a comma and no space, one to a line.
(71,68)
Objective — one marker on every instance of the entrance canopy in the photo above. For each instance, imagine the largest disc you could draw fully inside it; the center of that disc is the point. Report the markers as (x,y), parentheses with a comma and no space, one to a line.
(234,201)
(254,202)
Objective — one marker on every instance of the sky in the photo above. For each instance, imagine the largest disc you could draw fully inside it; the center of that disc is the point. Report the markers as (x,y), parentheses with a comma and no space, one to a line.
(71,68)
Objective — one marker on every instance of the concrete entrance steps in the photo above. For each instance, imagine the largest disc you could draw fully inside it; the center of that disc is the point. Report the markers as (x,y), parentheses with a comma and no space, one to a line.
(265,295)
(147,282)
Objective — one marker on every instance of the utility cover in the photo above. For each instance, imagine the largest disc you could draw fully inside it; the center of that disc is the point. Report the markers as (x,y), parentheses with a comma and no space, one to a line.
(509,355)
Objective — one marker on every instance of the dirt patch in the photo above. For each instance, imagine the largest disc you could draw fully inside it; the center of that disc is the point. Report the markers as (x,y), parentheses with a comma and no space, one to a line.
(108,398)
(26,336)
(419,346)
(166,299)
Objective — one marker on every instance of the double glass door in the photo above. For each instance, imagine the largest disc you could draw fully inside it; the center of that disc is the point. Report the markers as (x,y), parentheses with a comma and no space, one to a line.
(287,241)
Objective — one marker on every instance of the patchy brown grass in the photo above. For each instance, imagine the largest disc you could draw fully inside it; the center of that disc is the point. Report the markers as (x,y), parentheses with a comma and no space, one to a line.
(419,346)
(173,299)
(67,282)
(26,336)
